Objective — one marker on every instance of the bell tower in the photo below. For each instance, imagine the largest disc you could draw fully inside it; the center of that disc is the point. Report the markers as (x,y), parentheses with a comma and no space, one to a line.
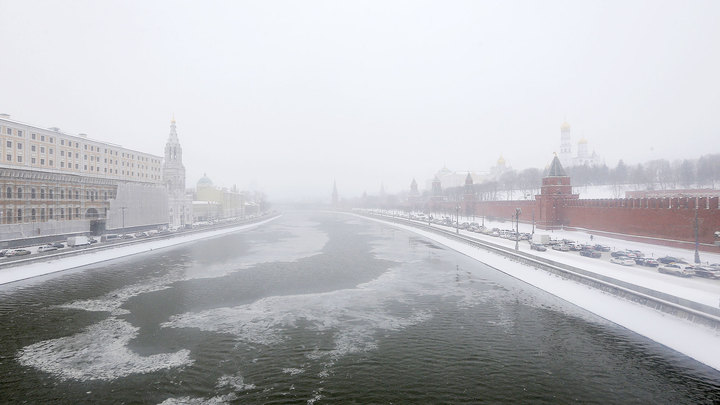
(174,177)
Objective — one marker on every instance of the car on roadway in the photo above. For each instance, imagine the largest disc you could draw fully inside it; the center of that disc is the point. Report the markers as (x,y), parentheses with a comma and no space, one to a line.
(619,253)
(703,271)
(58,245)
(590,253)
(46,248)
(625,261)
(561,247)
(674,269)
(538,247)
(18,252)
(602,248)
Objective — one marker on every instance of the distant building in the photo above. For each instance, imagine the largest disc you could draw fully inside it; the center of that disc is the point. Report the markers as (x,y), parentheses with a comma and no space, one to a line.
(56,183)
(452,179)
(335,197)
(212,203)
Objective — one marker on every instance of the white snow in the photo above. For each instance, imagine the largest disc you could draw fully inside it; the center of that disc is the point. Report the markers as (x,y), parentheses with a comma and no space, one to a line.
(691,339)
(35,269)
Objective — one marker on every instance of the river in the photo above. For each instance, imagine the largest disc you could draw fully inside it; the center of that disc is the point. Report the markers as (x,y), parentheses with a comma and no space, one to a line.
(320,308)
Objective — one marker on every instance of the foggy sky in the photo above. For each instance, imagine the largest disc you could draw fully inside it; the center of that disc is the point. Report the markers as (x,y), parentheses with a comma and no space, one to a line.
(287,96)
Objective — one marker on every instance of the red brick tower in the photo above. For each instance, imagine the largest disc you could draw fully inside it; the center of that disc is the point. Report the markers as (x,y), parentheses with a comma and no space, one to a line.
(555,190)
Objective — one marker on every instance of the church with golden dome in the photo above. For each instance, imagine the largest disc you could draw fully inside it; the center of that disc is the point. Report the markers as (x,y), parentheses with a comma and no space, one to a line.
(582,156)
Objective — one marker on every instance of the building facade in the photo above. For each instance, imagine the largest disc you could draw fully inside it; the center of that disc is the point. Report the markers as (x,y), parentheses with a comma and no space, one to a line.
(55,183)
(215,203)
(583,155)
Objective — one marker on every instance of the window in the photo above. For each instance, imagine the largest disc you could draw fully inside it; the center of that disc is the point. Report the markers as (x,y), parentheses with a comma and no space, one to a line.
(8,193)
(42,161)
(19,145)
(19,214)
(85,167)
(77,166)
(69,194)
(50,193)
(62,194)
(32,136)
(42,138)
(20,133)
(42,149)
(51,151)
(42,193)
(62,164)
(62,213)
(19,158)
(77,195)
(19,192)
(9,144)
(62,153)
(50,163)
(85,157)
(52,140)
(9,131)
(77,212)
(42,214)
(62,142)
(32,160)
(50,213)
(9,157)
(33,194)
(85,147)
(87,194)
(32,148)
(32,214)
(77,155)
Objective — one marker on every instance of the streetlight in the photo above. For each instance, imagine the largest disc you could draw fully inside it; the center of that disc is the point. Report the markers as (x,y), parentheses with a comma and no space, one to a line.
(123,212)
(517,228)
(457,218)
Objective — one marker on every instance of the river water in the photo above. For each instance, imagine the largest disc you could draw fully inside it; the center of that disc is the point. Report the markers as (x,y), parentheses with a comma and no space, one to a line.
(320,308)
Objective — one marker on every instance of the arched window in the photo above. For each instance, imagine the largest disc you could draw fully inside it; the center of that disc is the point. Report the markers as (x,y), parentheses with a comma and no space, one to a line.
(9,195)
(33,195)
(77,195)
(19,193)
(50,192)
(42,193)
(32,214)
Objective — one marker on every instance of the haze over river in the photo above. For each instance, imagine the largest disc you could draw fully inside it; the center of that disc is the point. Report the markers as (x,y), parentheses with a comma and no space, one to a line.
(320,308)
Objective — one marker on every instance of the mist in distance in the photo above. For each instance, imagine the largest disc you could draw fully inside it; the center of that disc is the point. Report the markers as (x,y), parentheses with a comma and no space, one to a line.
(287,97)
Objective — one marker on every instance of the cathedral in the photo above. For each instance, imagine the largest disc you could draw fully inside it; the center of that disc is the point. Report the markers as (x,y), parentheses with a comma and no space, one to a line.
(583,156)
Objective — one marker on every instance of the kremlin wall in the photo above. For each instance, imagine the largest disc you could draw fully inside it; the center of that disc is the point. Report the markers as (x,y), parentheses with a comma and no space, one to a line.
(661,220)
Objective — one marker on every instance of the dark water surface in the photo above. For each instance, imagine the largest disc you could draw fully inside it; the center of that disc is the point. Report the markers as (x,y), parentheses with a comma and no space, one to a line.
(320,308)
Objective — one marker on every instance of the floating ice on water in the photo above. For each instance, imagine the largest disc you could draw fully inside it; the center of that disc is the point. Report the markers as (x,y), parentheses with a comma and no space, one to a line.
(98,353)
(236,382)
(293,371)
(218,400)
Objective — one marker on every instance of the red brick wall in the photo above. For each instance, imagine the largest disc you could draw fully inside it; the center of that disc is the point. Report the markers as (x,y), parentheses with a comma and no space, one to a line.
(657,218)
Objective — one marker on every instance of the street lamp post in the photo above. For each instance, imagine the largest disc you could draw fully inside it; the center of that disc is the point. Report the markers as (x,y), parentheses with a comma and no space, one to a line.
(123,213)
(533,217)
(697,241)
(517,228)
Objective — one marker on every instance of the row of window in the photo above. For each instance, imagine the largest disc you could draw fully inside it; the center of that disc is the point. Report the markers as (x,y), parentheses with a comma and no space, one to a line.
(12,216)
(91,195)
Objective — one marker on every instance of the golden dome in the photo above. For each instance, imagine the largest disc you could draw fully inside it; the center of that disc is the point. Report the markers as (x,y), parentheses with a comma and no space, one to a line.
(582,141)
(565,126)
(501,161)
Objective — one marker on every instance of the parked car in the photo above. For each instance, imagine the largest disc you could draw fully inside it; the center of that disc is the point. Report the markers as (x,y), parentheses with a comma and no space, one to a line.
(58,245)
(602,248)
(46,248)
(20,252)
(619,253)
(561,247)
(590,253)
(625,261)
(3,252)
(538,247)
(646,261)
(576,247)
(670,259)
(675,270)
